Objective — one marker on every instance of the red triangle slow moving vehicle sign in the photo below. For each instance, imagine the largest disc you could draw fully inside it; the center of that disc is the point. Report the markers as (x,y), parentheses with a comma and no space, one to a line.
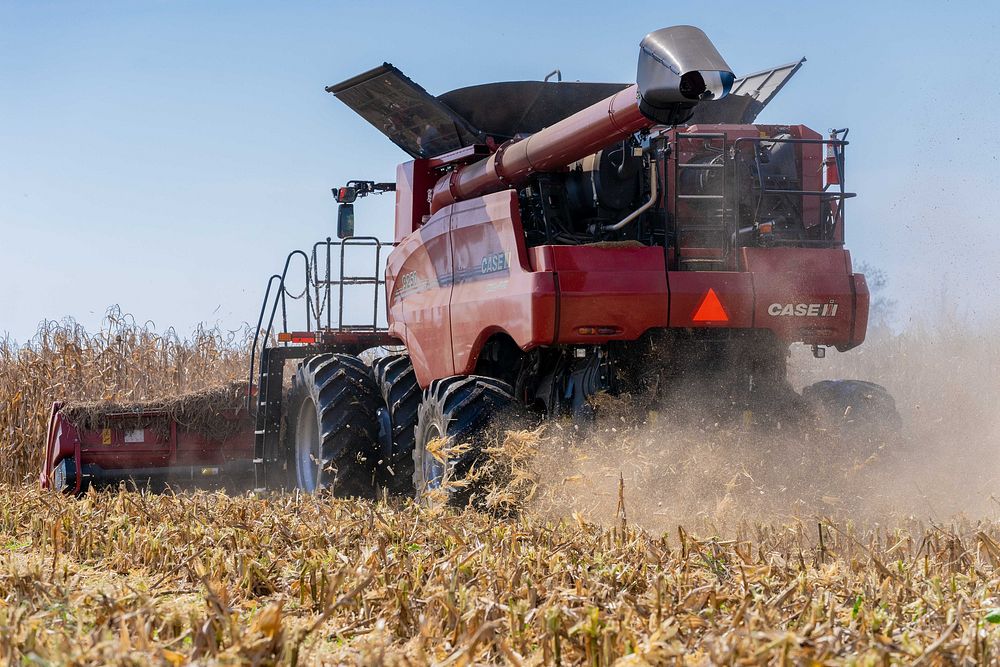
(711,309)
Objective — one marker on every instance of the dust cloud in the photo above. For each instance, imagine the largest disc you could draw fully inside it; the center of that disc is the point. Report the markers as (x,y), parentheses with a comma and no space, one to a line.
(945,464)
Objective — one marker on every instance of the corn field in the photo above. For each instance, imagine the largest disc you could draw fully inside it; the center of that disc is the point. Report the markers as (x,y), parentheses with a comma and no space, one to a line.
(124,361)
(626,544)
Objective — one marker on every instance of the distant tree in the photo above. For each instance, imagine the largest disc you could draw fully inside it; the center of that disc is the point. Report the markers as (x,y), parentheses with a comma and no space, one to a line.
(881,308)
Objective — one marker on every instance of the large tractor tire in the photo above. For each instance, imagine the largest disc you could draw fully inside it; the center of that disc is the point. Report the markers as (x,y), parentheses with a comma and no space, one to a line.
(398,384)
(332,436)
(457,413)
(861,414)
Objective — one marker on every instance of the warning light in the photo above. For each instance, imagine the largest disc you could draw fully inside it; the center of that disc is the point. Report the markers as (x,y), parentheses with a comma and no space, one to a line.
(297,337)
(599,331)
(711,309)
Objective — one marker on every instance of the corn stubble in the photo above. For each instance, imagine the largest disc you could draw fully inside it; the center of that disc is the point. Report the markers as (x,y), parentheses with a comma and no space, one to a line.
(625,543)
(125,578)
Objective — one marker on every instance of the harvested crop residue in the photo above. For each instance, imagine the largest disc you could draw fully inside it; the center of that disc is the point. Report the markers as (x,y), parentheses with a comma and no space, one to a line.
(131,578)
(945,462)
(218,412)
(632,540)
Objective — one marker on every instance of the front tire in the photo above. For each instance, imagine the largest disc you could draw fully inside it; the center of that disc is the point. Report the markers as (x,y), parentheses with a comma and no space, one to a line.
(332,435)
(456,412)
(398,384)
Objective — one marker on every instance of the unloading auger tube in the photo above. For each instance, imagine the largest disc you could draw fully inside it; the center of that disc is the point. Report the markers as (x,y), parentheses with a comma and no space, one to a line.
(678,67)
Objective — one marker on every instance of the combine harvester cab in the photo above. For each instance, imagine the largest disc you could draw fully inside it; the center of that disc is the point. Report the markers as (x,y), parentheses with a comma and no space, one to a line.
(553,241)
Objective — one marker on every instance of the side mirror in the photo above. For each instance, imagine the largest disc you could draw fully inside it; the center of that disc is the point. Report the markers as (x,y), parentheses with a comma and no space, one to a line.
(345,221)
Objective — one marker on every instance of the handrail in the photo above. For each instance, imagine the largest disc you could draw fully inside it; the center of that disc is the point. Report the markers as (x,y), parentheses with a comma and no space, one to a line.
(368,241)
(840,196)
(730,221)
(324,297)
(318,294)
(256,334)
(678,196)
(280,296)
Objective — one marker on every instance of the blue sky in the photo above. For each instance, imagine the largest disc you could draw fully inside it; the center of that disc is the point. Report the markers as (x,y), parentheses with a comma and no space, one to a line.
(165,156)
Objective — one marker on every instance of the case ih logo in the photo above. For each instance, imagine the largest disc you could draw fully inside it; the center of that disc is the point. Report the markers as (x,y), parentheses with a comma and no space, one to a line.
(495,262)
(803,309)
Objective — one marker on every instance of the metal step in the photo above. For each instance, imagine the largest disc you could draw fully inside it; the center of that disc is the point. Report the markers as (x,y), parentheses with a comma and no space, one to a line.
(696,165)
(699,261)
(702,228)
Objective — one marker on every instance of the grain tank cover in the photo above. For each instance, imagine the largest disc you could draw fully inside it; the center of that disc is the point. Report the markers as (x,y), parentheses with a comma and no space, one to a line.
(425,126)
(748,97)
(508,108)
(412,118)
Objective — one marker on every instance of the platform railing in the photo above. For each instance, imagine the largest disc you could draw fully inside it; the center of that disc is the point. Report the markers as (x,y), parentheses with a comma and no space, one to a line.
(832,216)
(319,283)
(721,228)
(322,292)
(324,285)
(730,223)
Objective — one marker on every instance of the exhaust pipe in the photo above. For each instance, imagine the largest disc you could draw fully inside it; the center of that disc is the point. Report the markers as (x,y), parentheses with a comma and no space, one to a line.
(678,68)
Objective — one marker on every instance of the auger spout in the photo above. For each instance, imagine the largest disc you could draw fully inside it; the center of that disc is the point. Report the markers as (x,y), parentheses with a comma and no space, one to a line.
(678,68)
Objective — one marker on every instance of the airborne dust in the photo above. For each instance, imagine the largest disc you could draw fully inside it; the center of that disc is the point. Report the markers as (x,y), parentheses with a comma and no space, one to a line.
(943,465)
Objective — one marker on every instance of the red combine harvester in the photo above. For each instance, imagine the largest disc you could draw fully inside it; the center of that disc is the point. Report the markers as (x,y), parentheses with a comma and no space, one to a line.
(553,241)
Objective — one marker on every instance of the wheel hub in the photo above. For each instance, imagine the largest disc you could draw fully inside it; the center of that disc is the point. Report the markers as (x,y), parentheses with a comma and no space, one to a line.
(308,458)
(433,469)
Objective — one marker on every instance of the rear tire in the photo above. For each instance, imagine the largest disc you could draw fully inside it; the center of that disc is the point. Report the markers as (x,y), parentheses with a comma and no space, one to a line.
(332,435)
(461,410)
(398,383)
(862,414)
